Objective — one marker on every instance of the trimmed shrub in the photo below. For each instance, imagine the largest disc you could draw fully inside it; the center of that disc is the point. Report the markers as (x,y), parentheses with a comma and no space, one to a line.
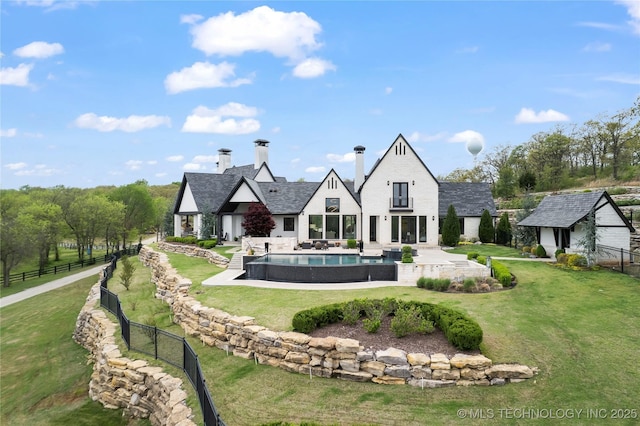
(351,243)
(576,260)
(422,282)
(352,311)
(182,240)
(207,244)
(482,260)
(540,251)
(441,284)
(409,319)
(308,320)
(472,255)
(558,252)
(503,231)
(562,258)
(486,230)
(371,325)
(501,273)
(469,285)
(451,228)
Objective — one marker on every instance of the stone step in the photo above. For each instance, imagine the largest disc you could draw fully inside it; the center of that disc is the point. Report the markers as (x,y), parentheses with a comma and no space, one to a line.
(236,261)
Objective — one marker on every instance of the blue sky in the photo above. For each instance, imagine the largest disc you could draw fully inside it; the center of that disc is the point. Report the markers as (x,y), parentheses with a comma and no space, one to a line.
(109,92)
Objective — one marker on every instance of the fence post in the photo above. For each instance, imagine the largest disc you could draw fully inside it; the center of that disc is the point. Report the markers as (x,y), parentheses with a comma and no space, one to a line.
(621,260)
(155,341)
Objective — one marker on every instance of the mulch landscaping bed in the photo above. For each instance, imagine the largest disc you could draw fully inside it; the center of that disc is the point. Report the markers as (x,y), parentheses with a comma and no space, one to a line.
(384,338)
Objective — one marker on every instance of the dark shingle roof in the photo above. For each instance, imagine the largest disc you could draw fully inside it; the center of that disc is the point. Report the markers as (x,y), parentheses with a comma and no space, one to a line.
(562,211)
(209,190)
(247,171)
(287,197)
(470,199)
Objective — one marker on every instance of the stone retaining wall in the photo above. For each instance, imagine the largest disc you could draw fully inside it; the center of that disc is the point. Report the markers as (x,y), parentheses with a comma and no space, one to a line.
(323,357)
(143,391)
(195,251)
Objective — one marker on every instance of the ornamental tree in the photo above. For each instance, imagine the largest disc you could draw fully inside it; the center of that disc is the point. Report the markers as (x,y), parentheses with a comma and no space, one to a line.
(451,228)
(257,221)
(486,230)
(503,232)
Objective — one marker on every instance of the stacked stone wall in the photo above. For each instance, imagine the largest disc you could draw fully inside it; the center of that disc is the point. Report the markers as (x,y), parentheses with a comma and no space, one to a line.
(195,251)
(323,357)
(118,382)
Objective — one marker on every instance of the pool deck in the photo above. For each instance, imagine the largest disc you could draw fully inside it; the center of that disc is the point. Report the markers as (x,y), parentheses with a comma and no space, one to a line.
(425,256)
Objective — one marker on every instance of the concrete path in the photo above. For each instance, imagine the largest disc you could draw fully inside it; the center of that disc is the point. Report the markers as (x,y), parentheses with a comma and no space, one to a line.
(52,285)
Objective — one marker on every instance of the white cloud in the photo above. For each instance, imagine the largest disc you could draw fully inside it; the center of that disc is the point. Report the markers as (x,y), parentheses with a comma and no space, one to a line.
(9,133)
(290,35)
(203,75)
(16,166)
(160,175)
(600,26)
(421,137)
(275,130)
(193,167)
(621,78)
(133,123)
(38,170)
(152,162)
(315,169)
(191,19)
(313,67)
(597,46)
(52,5)
(175,158)
(388,90)
(527,115)
(205,159)
(467,136)
(18,76)
(39,49)
(133,164)
(1,54)
(633,9)
(295,161)
(349,157)
(205,120)
(468,49)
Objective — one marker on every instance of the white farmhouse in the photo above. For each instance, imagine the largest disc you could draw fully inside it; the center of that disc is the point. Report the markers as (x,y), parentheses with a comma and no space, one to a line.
(399,202)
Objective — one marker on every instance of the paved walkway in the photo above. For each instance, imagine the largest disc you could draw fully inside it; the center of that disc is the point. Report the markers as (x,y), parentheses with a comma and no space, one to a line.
(52,285)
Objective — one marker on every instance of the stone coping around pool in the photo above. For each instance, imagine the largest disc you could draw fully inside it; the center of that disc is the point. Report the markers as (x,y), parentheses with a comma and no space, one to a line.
(329,357)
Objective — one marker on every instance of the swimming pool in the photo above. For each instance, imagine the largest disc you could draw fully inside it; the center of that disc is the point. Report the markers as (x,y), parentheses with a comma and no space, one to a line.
(321,268)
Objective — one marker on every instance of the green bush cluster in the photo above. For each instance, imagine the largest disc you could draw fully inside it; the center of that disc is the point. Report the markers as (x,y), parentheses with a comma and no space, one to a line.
(183,240)
(409,319)
(482,260)
(351,243)
(558,252)
(308,320)
(540,251)
(501,273)
(407,254)
(468,285)
(437,284)
(207,244)
(572,260)
(472,255)
(460,330)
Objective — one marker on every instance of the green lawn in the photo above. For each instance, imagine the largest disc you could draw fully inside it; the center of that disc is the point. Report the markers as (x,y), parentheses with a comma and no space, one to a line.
(487,250)
(44,374)
(580,328)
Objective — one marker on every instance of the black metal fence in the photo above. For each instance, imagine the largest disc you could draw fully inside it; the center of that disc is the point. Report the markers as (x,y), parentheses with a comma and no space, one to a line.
(619,259)
(160,344)
(58,269)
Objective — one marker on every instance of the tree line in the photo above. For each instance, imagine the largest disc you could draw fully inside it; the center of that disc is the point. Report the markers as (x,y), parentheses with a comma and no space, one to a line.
(605,147)
(34,220)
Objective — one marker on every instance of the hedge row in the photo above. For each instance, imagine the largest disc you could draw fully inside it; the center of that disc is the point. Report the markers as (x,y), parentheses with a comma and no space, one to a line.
(500,271)
(193,240)
(461,331)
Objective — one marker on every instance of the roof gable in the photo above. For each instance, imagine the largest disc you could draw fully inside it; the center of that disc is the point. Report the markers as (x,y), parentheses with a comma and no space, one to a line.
(332,178)
(565,210)
(399,146)
(209,190)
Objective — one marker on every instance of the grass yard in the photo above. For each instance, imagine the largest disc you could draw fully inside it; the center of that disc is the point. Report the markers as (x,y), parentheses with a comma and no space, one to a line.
(580,328)
(487,250)
(44,374)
